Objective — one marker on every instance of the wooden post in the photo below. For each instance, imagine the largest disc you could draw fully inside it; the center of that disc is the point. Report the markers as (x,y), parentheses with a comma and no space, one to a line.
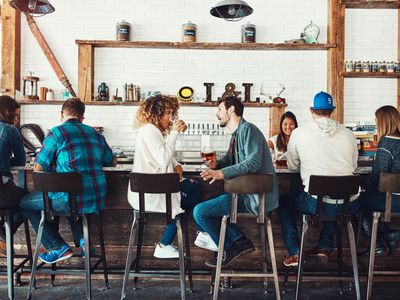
(338,88)
(398,59)
(86,72)
(275,113)
(10,49)
(332,78)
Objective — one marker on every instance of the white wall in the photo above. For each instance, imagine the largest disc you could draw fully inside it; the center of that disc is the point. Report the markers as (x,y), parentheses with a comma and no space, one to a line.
(370,35)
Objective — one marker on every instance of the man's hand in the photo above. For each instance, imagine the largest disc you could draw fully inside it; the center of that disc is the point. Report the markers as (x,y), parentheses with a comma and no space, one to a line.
(212,164)
(212,174)
(37,167)
(178,169)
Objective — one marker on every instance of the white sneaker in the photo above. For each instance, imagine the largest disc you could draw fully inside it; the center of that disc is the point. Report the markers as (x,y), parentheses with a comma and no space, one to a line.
(204,241)
(169,251)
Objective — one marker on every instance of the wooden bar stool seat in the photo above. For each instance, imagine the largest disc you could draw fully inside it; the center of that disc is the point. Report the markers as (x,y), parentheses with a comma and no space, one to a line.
(249,184)
(71,183)
(334,187)
(167,184)
(389,183)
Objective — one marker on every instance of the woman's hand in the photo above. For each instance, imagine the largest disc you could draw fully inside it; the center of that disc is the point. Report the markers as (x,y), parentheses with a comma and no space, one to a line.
(179,125)
(178,169)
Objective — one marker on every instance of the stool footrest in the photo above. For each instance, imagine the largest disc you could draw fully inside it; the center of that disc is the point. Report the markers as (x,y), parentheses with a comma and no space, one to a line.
(255,275)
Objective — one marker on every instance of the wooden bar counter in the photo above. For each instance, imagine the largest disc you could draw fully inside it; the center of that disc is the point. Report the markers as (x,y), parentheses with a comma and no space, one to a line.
(117,218)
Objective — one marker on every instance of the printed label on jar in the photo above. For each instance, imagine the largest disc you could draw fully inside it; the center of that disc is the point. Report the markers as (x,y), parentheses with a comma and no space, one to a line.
(189,32)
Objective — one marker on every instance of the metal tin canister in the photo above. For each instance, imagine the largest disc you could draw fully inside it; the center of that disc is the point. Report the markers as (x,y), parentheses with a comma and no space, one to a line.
(374,67)
(349,66)
(123,31)
(397,67)
(189,32)
(390,67)
(358,66)
(382,66)
(248,33)
(366,66)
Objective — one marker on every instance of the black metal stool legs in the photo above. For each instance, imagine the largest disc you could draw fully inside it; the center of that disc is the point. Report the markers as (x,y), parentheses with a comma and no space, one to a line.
(339,256)
(129,255)
(102,248)
(218,267)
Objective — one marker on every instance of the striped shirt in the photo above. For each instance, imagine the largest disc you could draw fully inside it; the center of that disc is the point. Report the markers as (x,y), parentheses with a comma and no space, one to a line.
(75,147)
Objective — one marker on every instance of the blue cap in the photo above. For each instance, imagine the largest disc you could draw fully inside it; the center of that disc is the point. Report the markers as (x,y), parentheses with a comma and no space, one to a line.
(323,100)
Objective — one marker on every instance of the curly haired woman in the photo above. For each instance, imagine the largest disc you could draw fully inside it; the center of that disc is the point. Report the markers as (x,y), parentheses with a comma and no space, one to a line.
(159,126)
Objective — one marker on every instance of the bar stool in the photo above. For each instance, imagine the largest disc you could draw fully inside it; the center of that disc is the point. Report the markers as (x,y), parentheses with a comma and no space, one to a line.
(157,184)
(7,216)
(71,183)
(389,183)
(335,187)
(249,184)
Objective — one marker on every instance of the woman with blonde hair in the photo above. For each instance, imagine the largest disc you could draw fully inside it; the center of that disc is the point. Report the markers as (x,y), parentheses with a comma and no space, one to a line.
(387,160)
(159,126)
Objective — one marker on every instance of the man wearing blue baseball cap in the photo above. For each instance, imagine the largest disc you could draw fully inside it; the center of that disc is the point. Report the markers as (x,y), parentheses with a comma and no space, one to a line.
(320,147)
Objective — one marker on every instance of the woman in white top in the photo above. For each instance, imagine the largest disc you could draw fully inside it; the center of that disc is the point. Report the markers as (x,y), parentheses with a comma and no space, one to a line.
(159,126)
(278,143)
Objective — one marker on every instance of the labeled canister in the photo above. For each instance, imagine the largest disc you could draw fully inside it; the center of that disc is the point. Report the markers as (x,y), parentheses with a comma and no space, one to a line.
(189,32)
(390,67)
(397,67)
(123,31)
(382,66)
(358,66)
(366,66)
(374,67)
(349,66)
(248,33)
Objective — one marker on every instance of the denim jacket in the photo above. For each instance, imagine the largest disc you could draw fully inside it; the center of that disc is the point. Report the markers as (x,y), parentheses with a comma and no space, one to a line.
(253,156)
(12,151)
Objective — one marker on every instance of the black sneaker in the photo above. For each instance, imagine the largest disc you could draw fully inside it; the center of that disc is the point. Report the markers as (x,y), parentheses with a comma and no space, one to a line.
(239,248)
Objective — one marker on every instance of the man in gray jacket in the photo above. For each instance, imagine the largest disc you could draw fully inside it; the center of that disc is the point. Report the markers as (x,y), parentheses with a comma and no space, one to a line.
(248,154)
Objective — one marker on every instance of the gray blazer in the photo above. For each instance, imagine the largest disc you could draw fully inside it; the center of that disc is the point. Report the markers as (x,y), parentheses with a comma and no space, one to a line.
(252,156)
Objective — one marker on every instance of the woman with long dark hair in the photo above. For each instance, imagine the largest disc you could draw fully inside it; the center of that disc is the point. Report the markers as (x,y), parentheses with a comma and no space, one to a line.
(278,143)
(387,160)
(12,153)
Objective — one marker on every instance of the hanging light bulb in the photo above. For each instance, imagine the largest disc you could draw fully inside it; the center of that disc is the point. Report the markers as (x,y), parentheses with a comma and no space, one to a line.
(231,10)
(32,5)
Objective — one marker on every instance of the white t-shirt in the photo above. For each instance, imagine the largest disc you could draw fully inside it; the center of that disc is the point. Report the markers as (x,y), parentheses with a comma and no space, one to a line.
(275,153)
(154,154)
(322,147)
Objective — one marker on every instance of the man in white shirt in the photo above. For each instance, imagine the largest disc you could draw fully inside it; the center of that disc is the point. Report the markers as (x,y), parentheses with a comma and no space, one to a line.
(321,147)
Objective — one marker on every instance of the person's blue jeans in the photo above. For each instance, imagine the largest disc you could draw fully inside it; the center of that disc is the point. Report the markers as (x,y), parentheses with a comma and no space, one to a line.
(32,205)
(190,197)
(304,203)
(208,216)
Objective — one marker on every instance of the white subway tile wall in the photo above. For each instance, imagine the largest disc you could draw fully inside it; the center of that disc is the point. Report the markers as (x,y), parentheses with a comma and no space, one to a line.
(370,35)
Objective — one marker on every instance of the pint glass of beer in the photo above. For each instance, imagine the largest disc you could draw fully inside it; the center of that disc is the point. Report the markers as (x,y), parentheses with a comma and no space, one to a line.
(209,155)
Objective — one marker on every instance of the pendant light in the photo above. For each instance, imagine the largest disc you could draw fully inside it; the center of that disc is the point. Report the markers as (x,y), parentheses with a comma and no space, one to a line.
(231,10)
(33,7)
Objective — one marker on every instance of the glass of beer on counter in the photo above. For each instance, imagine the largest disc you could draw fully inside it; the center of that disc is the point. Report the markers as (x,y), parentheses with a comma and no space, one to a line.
(209,155)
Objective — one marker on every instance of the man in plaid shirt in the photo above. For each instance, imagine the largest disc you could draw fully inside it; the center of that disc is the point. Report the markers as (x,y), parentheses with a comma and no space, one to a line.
(70,147)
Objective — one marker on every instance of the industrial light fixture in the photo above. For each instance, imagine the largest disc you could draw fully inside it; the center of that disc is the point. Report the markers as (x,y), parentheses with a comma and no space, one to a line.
(231,10)
(34,8)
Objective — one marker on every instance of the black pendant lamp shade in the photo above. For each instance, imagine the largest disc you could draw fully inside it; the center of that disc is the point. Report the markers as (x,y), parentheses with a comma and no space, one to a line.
(231,10)
(33,7)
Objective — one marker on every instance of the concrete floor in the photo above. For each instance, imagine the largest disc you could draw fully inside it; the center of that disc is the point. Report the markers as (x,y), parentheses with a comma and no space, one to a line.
(74,289)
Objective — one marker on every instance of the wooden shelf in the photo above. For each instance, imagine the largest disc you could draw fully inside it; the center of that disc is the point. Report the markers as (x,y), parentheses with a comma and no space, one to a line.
(106,103)
(203,46)
(369,75)
(371,4)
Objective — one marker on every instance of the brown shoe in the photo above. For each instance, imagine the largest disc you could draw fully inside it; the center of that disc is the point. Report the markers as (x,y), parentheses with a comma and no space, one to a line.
(320,253)
(291,260)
